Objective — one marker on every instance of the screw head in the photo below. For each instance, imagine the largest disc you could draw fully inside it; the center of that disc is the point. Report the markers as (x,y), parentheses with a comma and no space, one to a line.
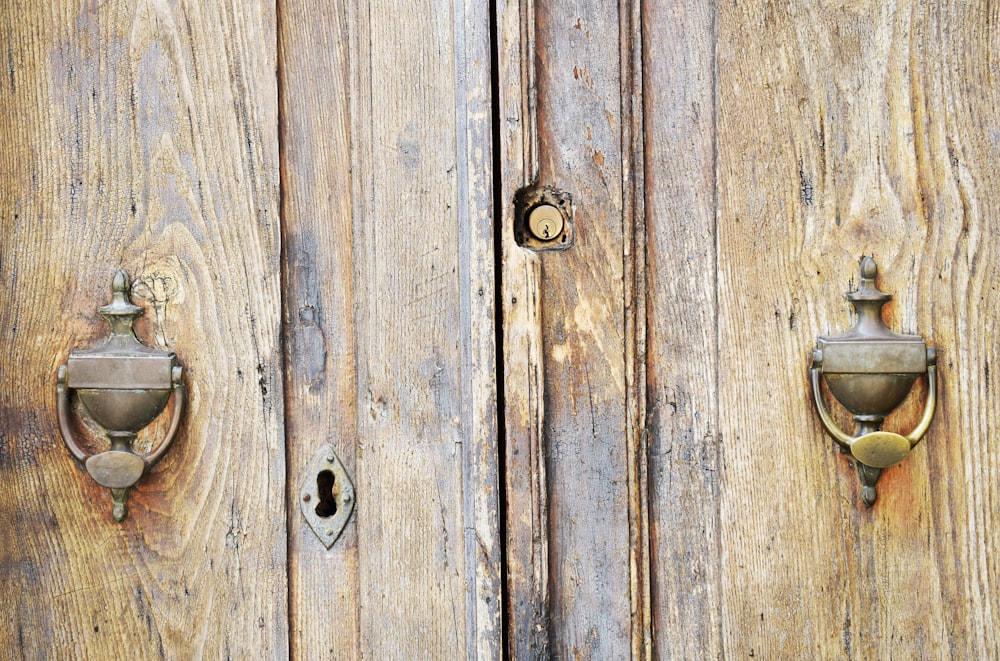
(545,222)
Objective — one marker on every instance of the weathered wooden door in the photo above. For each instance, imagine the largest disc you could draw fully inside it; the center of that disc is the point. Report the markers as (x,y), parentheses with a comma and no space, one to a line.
(302,192)
(670,492)
(604,452)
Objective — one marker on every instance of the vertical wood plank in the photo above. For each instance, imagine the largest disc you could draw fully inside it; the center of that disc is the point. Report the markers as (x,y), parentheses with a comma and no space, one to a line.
(428,543)
(581,295)
(476,182)
(409,371)
(568,448)
(683,358)
(143,136)
(318,263)
(526,540)
(849,129)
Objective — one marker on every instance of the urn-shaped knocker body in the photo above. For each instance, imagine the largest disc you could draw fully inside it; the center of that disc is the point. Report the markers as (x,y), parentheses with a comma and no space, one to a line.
(870,370)
(123,385)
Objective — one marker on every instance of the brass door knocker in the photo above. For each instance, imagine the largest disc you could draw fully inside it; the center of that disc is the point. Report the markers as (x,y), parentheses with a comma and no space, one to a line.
(123,385)
(870,371)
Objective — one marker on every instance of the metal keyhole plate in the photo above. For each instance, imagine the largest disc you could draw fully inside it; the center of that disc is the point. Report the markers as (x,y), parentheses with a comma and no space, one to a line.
(327,496)
(543,218)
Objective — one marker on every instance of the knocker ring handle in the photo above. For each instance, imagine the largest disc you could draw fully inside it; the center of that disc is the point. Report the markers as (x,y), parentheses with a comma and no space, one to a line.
(884,438)
(149,459)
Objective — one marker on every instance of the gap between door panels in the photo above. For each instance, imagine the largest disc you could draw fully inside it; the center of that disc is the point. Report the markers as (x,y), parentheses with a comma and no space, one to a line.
(498,205)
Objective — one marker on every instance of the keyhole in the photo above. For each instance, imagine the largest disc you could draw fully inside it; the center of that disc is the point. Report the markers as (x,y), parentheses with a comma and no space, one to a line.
(545,222)
(327,505)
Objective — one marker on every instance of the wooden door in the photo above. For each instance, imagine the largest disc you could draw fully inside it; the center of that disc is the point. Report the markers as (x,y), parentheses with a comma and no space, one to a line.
(605,452)
(670,493)
(302,192)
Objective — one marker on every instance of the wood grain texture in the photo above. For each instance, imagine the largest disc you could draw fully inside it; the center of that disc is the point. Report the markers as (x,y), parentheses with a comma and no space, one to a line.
(526,615)
(582,301)
(567,310)
(319,299)
(847,129)
(683,361)
(428,544)
(142,135)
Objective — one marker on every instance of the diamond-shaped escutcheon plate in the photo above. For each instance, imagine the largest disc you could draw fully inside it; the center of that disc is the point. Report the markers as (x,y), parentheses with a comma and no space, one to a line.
(327,496)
